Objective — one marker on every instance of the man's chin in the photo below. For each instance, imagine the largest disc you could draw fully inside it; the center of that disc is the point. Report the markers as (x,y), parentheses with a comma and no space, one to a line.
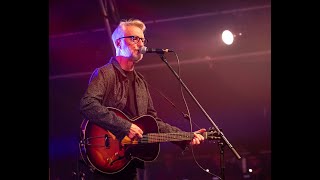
(138,59)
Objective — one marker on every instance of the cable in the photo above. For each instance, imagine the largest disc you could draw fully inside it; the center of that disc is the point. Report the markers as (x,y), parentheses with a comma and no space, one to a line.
(190,121)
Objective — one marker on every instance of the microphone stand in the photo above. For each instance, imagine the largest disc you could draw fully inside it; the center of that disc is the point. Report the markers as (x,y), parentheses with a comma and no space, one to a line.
(223,140)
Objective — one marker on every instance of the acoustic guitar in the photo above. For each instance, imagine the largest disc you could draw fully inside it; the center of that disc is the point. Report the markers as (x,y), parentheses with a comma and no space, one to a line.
(101,150)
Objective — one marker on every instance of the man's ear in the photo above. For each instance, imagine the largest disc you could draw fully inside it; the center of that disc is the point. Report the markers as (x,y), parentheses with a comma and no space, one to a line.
(118,43)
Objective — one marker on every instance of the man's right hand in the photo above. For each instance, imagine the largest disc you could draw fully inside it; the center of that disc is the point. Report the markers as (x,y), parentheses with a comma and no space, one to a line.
(135,131)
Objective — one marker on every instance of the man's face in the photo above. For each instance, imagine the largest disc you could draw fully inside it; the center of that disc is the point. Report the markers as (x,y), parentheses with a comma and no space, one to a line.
(129,47)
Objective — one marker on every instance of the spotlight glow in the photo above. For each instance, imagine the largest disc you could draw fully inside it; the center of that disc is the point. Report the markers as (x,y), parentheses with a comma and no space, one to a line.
(227,37)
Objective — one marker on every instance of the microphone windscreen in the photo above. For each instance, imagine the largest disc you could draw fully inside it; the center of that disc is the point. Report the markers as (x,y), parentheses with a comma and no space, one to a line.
(143,50)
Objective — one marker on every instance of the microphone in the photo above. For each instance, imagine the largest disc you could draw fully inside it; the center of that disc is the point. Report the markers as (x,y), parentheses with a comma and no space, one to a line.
(144,50)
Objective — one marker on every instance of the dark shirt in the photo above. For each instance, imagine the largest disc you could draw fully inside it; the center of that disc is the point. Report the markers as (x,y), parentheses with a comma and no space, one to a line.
(131,107)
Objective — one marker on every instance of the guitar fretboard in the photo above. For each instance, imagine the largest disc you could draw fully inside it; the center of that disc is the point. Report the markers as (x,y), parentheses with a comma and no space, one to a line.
(167,137)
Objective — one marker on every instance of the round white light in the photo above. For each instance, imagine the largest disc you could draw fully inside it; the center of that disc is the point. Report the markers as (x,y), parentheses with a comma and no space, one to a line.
(227,37)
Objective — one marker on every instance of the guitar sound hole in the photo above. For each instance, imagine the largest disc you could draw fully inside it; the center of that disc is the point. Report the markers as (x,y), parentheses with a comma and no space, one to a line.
(106,141)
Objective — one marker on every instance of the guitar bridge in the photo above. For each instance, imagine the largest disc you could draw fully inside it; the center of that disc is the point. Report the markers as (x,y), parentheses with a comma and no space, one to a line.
(116,157)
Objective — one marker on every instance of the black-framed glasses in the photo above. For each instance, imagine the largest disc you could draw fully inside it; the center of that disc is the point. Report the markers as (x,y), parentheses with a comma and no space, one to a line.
(136,39)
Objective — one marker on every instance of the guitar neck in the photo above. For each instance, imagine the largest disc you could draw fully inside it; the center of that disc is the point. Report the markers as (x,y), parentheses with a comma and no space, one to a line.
(168,137)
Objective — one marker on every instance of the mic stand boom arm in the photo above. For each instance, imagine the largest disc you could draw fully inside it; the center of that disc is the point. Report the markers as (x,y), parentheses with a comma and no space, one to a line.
(220,133)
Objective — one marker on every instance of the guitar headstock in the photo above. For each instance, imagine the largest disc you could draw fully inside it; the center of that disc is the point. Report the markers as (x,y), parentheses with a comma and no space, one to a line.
(212,134)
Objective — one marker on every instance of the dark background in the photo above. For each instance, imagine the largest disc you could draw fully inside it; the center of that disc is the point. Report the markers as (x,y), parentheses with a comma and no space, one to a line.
(232,83)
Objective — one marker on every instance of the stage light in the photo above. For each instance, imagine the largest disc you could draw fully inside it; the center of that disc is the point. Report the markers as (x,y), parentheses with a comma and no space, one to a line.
(227,37)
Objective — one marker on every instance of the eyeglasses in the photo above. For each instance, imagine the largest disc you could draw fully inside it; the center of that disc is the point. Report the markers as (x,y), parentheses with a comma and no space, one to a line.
(136,39)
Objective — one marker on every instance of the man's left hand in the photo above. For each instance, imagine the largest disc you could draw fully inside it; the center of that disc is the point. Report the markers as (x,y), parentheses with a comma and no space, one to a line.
(198,138)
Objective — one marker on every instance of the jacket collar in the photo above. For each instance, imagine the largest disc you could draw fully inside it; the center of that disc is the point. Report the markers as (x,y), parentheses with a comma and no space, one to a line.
(116,64)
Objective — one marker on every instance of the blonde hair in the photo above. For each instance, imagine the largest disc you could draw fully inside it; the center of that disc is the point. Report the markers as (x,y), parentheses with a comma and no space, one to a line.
(119,31)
